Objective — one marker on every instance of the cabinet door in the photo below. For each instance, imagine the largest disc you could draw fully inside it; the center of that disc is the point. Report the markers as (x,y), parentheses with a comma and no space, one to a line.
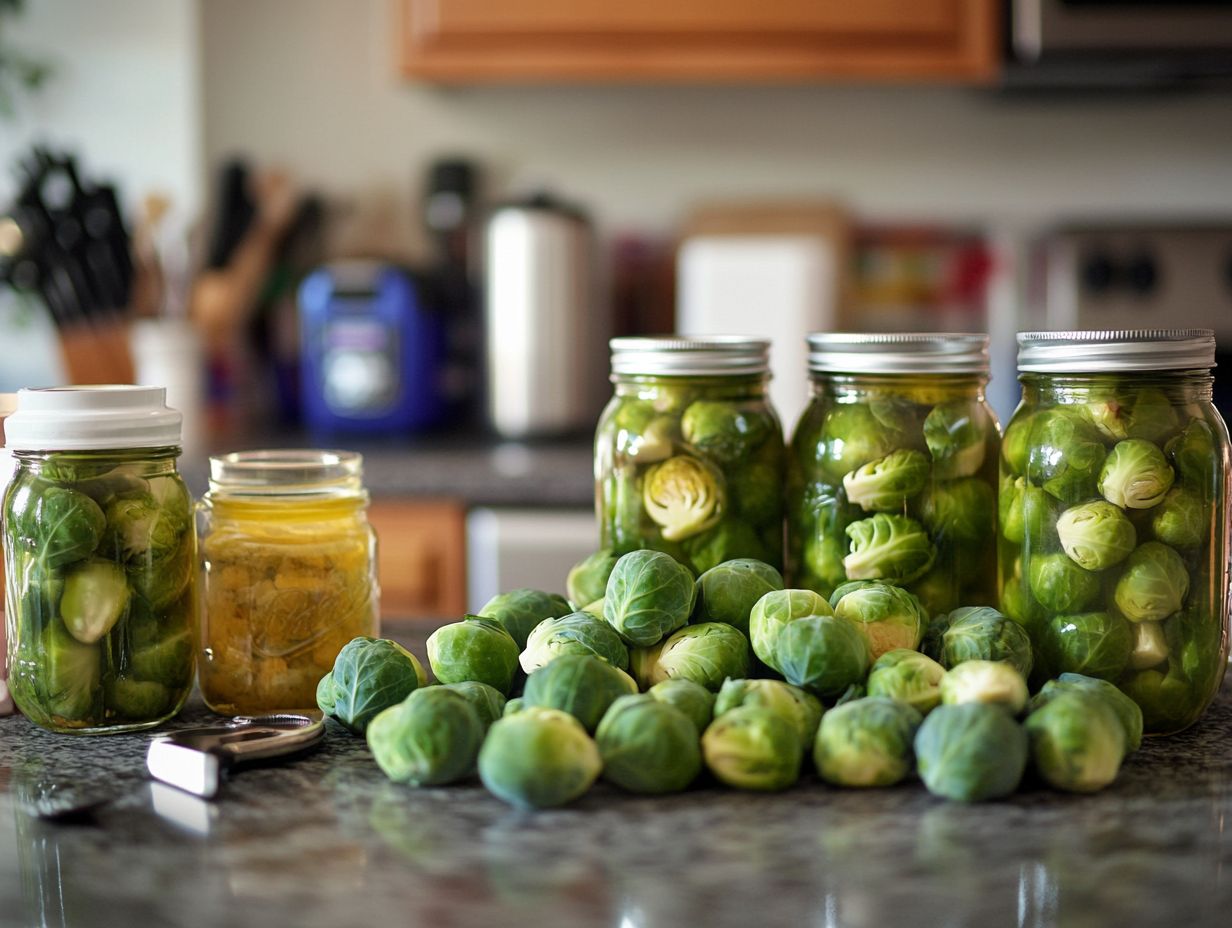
(421,558)
(698,40)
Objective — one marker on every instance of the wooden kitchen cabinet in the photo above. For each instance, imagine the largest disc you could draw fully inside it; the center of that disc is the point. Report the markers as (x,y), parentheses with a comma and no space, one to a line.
(730,41)
(421,558)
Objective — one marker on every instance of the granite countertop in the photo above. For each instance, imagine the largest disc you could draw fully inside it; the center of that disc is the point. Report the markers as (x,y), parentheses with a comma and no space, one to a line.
(476,470)
(327,841)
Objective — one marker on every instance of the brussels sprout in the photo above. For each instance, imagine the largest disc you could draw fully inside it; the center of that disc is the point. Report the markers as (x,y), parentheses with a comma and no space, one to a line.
(579,684)
(854,434)
(1193,454)
(595,609)
(823,559)
(729,591)
(994,682)
(369,676)
(142,700)
(513,706)
(722,430)
(707,654)
(1066,455)
(888,547)
(938,592)
(1060,585)
(621,494)
(161,653)
(753,748)
(1150,646)
(887,616)
(1077,742)
(971,752)
(982,633)
(909,677)
(538,758)
(866,742)
(693,699)
(1018,604)
(1147,414)
(955,433)
(885,485)
(60,525)
(1125,709)
(139,527)
(684,496)
(648,746)
(1181,520)
(1153,584)
(802,709)
(642,663)
(728,540)
(576,633)
(649,596)
(519,611)
(67,677)
(1025,511)
(161,581)
(587,579)
(823,654)
(488,702)
(1016,443)
(1135,475)
(773,612)
(1167,698)
(1097,644)
(756,490)
(959,512)
(1096,535)
(477,649)
(95,596)
(429,739)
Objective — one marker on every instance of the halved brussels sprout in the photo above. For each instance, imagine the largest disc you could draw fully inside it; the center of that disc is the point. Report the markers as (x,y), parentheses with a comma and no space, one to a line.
(822,654)
(429,739)
(537,758)
(476,648)
(1135,475)
(693,699)
(1077,743)
(1096,535)
(576,633)
(971,752)
(885,485)
(1095,644)
(369,676)
(909,677)
(955,432)
(866,742)
(888,547)
(776,610)
(648,746)
(649,595)
(722,430)
(729,591)
(887,616)
(1153,583)
(802,709)
(994,682)
(579,684)
(707,654)
(684,496)
(753,748)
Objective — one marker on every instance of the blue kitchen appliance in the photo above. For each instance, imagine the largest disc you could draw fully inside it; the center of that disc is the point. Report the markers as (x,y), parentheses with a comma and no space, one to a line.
(371,350)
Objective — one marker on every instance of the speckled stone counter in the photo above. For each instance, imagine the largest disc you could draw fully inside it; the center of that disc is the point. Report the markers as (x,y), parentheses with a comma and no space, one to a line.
(327,841)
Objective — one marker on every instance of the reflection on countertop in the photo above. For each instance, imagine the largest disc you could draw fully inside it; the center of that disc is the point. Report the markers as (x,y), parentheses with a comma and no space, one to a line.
(475,469)
(328,841)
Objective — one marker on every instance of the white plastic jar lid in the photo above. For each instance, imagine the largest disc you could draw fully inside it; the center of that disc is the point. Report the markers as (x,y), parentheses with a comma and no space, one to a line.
(92,418)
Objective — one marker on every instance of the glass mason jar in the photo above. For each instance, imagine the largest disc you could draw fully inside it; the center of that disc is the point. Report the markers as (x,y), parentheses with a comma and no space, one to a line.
(893,468)
(289,576)
(100,558)
(1114,518)
(689,452)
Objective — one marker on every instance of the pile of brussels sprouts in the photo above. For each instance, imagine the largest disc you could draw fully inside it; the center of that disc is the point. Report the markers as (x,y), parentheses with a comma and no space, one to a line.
(100,557)
(653,679)
(895,483)
(694,469)
(1108,536)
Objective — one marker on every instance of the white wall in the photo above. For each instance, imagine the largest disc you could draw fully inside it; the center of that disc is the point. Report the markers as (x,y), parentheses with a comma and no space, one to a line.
(125,93)
(313,84)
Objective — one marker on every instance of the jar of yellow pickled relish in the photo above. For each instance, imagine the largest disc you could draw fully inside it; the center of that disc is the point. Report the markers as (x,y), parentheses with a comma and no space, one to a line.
(289,576)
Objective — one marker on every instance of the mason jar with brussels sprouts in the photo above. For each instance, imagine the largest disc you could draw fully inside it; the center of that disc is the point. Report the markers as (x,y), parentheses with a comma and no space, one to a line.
(892,468)
(100,557)
(1113,518)
(689,453)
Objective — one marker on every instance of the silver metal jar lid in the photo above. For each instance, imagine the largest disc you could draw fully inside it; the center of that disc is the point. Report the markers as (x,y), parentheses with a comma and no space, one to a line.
(898,353)
(1116,350)
(690,356)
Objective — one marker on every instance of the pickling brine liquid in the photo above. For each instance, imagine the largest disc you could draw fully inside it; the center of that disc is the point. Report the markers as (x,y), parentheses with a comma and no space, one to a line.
(287,582)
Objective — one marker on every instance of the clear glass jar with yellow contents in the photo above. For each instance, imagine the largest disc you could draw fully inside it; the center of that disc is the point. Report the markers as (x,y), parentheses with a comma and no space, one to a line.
(289,576)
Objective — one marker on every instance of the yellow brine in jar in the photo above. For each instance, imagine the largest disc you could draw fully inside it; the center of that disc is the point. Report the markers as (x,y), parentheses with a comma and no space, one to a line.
(289,576)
